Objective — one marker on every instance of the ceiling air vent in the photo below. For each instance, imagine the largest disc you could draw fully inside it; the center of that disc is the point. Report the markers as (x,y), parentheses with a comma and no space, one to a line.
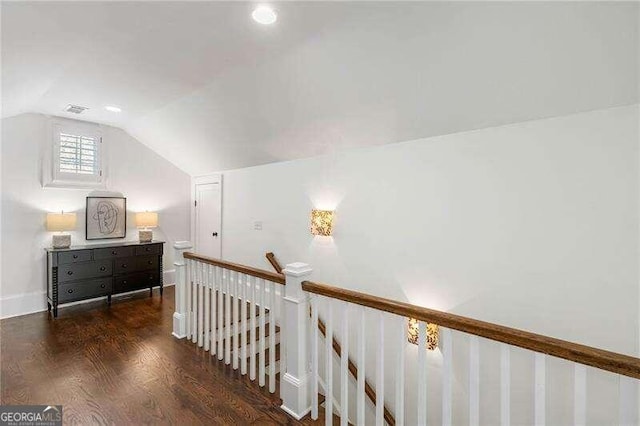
(76,109)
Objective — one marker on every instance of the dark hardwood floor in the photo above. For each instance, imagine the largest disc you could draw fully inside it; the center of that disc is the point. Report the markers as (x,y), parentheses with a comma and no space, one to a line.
(120,365)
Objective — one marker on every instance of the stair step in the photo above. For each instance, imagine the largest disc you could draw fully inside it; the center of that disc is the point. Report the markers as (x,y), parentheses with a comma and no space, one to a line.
(267,333)
(231,298)
(321,416)
(267,354)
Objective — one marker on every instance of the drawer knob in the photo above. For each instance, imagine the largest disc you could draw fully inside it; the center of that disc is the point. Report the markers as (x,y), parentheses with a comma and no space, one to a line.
(124,282)
(102,286)
(124,265)
(103,268)
(150,262)
(69,272)
(70,290)
(114,252)
(75,256)
(148,248)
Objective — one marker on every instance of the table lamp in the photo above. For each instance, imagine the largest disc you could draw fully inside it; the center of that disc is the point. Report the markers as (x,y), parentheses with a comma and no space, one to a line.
(146,220)
(60,222)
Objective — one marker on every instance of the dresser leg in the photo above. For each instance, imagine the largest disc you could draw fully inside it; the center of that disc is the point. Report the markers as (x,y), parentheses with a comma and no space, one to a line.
(109,300)
(55,311)
(48,306)
(161,288)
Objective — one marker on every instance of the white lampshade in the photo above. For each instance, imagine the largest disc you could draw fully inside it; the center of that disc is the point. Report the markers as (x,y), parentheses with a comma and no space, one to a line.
(146,219)
(61,221)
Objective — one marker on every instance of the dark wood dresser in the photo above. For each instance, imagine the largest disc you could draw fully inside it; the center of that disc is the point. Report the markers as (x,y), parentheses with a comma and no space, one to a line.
(98,270)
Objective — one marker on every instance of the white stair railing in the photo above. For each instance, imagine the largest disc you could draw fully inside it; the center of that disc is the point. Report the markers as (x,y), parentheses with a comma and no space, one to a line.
(213,297)
(337,303)
(226,309)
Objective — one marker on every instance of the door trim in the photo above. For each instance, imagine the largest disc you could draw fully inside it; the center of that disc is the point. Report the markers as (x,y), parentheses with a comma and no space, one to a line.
(199,180)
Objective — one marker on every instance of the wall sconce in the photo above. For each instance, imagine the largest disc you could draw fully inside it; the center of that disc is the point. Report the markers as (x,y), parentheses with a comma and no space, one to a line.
(321,222)
(432,334)
(61,222)
(146,220)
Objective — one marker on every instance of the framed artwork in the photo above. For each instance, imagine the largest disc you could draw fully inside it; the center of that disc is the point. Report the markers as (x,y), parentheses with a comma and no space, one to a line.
(106,217)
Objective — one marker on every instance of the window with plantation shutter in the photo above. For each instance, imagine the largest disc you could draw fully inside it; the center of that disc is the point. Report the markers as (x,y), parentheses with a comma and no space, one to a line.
(78,154)
(75,157)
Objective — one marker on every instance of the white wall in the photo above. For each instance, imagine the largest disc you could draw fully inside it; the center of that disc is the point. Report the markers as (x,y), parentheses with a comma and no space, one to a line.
(532,225)
(148,181)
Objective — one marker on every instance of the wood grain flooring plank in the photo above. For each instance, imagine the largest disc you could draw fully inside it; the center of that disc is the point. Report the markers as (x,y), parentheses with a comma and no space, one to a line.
(120,365)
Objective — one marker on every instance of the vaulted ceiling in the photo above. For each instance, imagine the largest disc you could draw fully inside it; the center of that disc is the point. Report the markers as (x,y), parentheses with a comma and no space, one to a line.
(209,89)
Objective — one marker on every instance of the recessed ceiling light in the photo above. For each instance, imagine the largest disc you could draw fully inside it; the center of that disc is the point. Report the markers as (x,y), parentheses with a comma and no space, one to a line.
(113,108)
(264,15)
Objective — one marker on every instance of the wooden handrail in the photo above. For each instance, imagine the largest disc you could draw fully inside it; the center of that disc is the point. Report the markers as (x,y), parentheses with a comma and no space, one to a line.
(274,262)
(259,273)
(604,360)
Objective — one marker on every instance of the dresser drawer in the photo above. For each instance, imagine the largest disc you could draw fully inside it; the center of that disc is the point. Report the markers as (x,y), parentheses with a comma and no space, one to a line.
(74,256)
(147,262)
(112,252)
(149,249)
(84,270)
(126,265)
(84,290)
(136,281)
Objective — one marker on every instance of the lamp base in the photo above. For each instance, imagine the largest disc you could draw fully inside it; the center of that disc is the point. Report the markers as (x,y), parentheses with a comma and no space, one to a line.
(145,236)
(61,241)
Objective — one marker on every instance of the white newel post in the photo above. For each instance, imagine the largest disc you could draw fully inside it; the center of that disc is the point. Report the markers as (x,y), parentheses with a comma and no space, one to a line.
(296,381)
(180,315)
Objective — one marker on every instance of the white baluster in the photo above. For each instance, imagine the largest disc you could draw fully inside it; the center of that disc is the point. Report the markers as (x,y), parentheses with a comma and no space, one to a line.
(207,300)
(227,314)
(236,318)
(243,315)
(272,338)
(628,401)
(214,310)
(539,389)
(361,371)
(253,329)
(328,356)
(474,380)
(380,372)
(505,385)
(579,394)
(263,314)
(200,305)
(188,297)
(402,344)
(219,279)
(447,357)
(344,368)
(422,373)
(314,357)
(196,285)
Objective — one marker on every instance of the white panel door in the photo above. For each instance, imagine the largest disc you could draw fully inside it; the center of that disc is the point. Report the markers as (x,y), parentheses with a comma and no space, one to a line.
(208,219)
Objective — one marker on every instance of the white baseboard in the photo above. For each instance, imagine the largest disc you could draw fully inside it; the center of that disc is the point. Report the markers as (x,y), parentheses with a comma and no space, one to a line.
(29,303)
(23,304)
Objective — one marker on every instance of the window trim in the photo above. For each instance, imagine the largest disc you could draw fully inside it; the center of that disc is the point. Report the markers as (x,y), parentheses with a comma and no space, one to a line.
(52,177)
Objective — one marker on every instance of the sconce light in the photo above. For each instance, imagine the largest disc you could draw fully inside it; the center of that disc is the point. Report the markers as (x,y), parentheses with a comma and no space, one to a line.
(321,222)
(61,222)
(432,334)
(146,220)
